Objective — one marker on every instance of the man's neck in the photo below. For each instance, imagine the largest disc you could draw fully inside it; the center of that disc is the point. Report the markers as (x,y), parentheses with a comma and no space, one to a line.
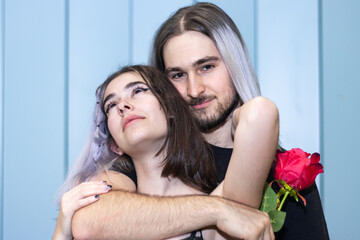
(221,137)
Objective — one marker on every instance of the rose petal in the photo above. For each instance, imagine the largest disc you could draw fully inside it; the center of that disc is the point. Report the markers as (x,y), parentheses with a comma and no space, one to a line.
(297,169)
(315,158)
(309,174)
(300,152)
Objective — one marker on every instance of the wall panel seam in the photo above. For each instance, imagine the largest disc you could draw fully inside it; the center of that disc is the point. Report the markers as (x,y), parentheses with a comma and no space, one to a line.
(256,22)
(2,118)
(321,97)
(131,31)
(66,87)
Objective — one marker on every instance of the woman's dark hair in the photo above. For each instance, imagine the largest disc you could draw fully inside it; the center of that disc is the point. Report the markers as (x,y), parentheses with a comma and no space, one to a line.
(189,156)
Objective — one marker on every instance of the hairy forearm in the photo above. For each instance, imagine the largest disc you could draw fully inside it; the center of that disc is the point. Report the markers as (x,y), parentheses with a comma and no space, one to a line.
(144,217)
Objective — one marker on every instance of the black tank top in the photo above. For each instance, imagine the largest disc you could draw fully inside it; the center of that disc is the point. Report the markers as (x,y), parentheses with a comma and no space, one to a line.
(195,235)
(300,223)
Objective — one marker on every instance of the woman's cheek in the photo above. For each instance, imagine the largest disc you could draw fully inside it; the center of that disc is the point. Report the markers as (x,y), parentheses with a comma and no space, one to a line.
(112,125)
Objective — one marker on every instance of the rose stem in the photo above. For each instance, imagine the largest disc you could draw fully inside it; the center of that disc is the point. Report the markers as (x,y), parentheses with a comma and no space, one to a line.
(283,200)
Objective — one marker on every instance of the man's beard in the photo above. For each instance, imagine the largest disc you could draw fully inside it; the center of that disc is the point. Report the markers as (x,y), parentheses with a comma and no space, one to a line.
(206,122)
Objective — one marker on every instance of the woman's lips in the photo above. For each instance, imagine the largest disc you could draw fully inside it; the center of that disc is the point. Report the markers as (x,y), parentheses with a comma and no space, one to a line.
(130,120)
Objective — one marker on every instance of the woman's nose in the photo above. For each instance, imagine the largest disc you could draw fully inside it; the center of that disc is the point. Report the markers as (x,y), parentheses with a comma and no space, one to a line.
(124,106)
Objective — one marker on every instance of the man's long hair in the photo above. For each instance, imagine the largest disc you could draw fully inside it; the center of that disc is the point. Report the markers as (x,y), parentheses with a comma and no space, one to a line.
(213,22)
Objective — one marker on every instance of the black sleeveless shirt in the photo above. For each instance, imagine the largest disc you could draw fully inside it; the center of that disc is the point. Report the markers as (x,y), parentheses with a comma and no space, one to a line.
(300,223)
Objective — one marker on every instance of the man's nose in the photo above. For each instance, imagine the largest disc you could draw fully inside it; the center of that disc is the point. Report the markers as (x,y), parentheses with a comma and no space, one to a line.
(195,86)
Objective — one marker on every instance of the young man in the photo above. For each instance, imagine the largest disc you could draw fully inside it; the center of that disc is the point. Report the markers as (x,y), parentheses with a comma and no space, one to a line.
(191,48)
(203,54)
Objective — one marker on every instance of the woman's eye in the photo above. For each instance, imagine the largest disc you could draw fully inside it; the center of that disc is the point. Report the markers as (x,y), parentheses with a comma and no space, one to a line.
(109,107)
(139,90)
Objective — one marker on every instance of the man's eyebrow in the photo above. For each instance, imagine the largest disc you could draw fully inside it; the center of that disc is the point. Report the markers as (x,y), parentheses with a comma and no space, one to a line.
(205,60)
(174,69)
(195,64)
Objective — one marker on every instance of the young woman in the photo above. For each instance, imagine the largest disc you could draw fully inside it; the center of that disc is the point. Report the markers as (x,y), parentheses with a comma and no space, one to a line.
(141,121)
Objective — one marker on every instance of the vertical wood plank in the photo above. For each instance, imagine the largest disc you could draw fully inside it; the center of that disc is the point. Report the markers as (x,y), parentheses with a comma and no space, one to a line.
(341,116)
(242,13)
(288,68)
(33,116)
(99,45)
(148,16)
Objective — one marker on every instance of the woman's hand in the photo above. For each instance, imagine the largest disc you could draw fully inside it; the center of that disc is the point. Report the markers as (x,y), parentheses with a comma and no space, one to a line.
(78,197)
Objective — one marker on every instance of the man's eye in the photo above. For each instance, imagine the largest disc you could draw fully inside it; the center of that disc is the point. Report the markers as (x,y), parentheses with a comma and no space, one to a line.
(207,67)
(177,75)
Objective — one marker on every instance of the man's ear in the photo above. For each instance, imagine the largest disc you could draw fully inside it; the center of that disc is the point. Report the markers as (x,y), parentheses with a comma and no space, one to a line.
(114,147)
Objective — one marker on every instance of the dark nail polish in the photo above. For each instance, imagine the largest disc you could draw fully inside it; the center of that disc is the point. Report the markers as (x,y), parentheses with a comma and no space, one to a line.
(104,181)
(97,196)
(109,186)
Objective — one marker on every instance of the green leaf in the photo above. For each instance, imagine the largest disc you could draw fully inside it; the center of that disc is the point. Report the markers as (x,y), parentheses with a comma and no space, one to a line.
(293,194)
(277,219)
(269,200)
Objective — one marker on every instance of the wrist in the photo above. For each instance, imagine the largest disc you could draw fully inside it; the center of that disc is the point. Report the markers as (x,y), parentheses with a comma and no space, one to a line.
(217,207)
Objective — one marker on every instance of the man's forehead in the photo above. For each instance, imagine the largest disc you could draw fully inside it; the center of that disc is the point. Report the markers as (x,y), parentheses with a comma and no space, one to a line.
(189,49)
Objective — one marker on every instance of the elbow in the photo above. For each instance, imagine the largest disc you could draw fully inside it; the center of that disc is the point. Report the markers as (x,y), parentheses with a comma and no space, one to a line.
(81,235)
(81,229)
(262,114)
(262,109)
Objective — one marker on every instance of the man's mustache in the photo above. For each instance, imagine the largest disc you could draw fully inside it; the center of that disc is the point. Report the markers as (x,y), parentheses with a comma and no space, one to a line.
(200,99)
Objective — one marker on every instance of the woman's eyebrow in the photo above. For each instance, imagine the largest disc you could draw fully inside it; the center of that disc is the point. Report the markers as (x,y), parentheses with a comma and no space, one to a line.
(127,86)
(131,84)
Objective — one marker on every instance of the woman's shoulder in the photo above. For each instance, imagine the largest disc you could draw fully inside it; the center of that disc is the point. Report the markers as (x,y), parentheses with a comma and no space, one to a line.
(117,180)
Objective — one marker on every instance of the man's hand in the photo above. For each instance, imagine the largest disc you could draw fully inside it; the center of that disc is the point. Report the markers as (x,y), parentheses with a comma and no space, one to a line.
(244,222)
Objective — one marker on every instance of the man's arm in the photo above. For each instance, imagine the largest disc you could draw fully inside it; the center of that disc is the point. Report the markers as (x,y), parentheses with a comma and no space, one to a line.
(126,215)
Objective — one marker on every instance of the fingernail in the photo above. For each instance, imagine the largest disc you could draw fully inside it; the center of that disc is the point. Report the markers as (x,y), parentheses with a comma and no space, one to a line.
(104,181)
(109,186)
(97,196)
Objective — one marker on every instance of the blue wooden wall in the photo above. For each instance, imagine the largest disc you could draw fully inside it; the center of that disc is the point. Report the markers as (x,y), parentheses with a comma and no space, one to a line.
(55,53)
(340,86)
(33,97)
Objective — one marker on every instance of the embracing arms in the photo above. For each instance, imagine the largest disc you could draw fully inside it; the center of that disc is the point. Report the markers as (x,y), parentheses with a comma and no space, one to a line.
(122,214)
(125,215)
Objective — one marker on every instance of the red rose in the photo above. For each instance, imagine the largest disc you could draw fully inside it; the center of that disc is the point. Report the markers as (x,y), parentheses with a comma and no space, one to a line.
(297,169)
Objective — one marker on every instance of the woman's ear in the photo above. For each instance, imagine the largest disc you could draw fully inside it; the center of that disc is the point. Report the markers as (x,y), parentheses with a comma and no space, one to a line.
(114,147)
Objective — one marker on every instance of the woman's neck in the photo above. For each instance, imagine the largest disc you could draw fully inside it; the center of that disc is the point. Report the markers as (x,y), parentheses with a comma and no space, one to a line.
(149,180)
